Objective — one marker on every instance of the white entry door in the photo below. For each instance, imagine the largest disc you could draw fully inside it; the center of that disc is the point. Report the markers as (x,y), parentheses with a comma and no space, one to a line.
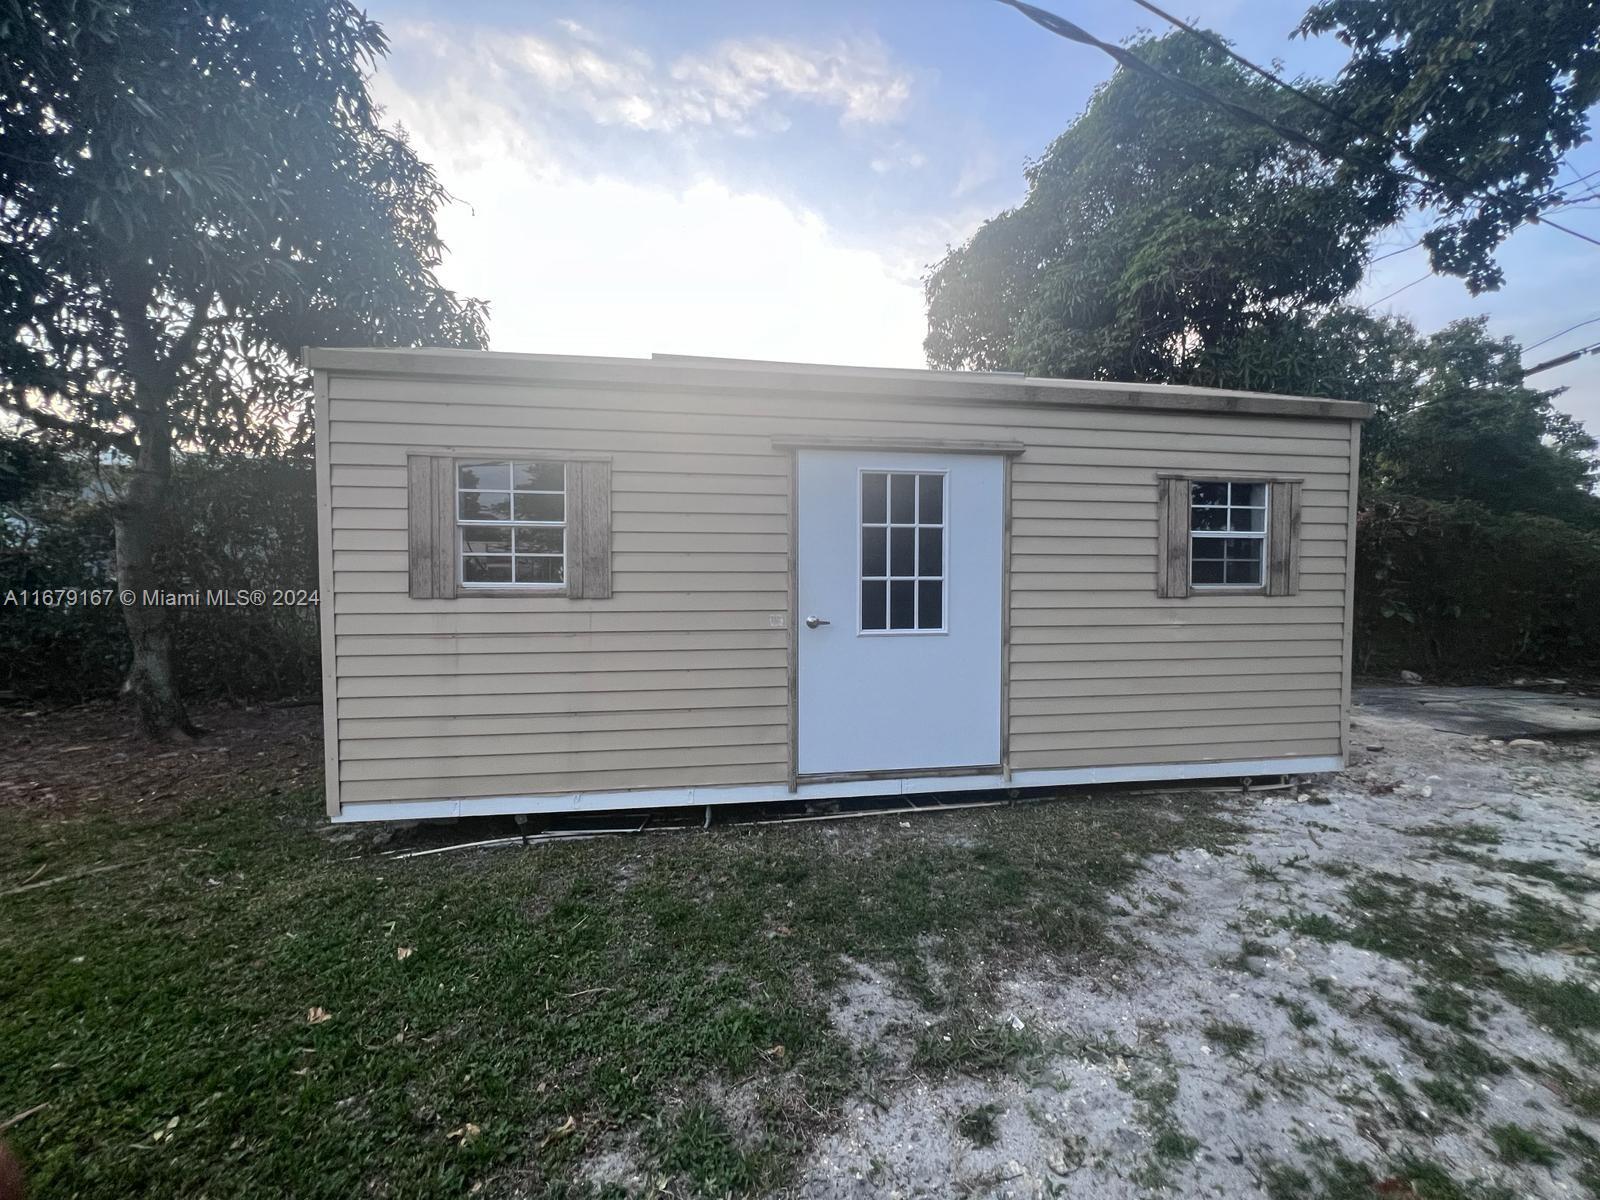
(899,592)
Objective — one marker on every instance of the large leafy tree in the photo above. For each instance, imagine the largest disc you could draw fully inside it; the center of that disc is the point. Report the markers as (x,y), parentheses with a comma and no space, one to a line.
(1159,241)
(190,191)
(1460,424)
(1163,240)
(1474,102)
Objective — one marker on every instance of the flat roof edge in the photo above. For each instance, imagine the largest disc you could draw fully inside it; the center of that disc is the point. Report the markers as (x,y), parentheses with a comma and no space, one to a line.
(689,372)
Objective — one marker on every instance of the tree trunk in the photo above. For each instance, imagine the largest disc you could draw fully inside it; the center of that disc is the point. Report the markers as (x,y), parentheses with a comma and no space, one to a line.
(136,518)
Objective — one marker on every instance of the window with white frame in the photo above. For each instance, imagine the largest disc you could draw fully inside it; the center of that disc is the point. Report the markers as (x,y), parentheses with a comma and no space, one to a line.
(1227,534)
(902,552)
(511,518)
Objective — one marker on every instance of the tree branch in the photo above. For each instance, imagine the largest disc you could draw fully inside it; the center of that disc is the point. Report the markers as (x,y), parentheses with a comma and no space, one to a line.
(110,439)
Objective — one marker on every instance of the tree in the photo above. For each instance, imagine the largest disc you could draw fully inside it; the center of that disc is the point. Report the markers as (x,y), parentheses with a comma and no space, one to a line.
(1164,241)
(189,193)
(1466,106)
(1462,425)
(1477,102)
(1159,241)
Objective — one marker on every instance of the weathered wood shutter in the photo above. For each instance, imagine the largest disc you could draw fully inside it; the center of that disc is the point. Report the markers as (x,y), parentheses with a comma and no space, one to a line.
(431,526)
(589,530)
(1172,537)
(431,529)
(1283,538)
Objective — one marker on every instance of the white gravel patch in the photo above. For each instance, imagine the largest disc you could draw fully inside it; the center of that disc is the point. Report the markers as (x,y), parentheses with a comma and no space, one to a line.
(1324,1057)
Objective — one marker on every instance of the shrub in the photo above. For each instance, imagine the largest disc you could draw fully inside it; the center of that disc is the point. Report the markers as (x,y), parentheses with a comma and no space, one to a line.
(1458,592)
(232,523)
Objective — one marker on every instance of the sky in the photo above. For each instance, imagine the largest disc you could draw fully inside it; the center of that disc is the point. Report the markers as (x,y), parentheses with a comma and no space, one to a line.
(775,180)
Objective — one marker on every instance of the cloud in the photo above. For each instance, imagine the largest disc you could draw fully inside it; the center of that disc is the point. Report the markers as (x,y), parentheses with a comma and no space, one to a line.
(899,157)
(738,85)
(575,257)
(738,77)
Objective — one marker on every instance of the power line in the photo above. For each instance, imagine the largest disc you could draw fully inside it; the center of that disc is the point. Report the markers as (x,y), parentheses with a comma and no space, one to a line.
(1538,220)
(1571,356)
(1390,254)
(1061,27)
(1398,290)
(1064,28)
(1207,36)
(1560,333)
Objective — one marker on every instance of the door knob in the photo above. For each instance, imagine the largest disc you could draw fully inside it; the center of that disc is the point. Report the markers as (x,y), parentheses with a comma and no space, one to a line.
(813,622)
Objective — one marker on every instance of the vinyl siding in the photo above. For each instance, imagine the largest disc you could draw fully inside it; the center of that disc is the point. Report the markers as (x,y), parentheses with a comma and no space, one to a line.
(679,679)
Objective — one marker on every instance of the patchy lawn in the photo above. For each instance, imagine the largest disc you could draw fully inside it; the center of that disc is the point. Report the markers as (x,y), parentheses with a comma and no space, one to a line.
(1384,985)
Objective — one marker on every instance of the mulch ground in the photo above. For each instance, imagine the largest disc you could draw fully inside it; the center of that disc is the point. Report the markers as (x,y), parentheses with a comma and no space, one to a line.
(74,761)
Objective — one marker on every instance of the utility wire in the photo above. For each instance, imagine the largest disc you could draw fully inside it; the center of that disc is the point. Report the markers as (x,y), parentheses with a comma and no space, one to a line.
(1061,27)
(1398,290)
(1390,254)
(1064,28)
(1560,333)
(1212,39)
(1571,356)
(1538,220)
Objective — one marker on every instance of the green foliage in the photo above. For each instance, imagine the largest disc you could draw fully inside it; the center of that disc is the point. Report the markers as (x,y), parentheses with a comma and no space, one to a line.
(1461,592)
(190,195)
(1516,1144)
(1456,422)
(235,523)
(632,990)
(1158,241)
(1477,101)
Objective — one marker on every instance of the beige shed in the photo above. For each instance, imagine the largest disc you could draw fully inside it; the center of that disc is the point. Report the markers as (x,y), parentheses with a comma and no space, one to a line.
(557,584)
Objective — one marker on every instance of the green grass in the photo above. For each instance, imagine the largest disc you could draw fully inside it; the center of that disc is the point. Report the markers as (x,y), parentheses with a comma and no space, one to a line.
(977,1124)
(1233,1038)
(1331,1176)
(672,990)
(1454,939)
(1300,1016)
(1470,833)
(1514,1144)
(970,1045)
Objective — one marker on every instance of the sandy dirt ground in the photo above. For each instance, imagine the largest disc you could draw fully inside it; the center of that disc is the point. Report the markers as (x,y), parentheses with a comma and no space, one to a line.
(1390,980)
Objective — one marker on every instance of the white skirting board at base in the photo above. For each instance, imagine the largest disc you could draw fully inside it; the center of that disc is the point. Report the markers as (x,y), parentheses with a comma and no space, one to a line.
(691,797)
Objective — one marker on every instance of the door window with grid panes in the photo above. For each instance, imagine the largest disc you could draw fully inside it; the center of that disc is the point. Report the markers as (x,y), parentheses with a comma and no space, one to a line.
(902,552)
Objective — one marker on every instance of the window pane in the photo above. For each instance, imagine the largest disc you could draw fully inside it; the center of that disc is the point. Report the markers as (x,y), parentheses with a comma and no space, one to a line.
(1207,570)
(902,603)
(930,499)
(902,544)
(486,539)
(874,547)
(874,602)
(1206,548)
(1248,549)
(539,541)
(930,552)
(485,506)
(874,506)
(489,476)
(930,604)
(1244,573)
(541,508)
(1249,493)
(538,570)
(540,476)
(902,499)
(1210,493)
(1247,518)
(485,570)
(1209,519)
